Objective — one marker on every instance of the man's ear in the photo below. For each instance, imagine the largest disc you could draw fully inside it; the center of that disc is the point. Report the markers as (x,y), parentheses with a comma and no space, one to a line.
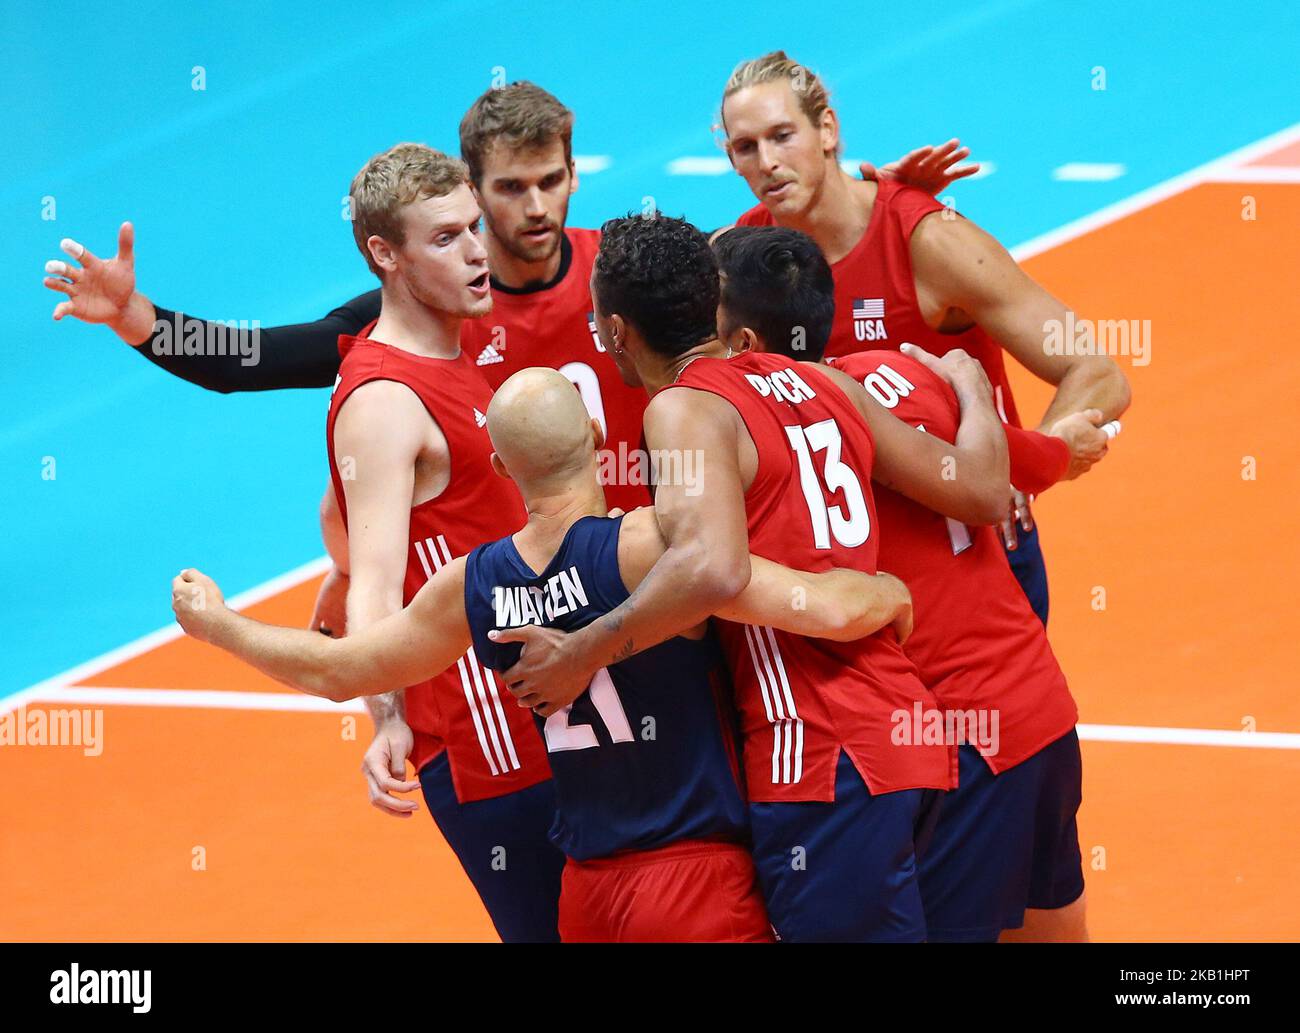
(382,252)
(597,433)
(830,131)
(617,331)
(499,467)
(573,177)
(748,341)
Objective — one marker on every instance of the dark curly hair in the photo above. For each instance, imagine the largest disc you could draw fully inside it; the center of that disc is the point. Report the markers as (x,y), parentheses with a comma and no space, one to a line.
(659,274)
(776,281)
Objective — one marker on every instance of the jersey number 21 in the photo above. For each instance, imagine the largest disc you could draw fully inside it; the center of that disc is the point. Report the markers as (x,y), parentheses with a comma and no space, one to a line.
(560,735)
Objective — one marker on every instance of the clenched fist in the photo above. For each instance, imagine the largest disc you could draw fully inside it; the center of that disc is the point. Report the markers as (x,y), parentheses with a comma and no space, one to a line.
(198,604)
(1088,443)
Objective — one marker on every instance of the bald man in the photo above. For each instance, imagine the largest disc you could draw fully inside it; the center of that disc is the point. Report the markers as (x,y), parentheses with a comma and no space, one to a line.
(650,813)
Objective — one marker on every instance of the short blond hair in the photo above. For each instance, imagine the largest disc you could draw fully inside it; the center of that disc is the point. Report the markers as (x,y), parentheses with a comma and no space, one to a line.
(390,181)
(777,66)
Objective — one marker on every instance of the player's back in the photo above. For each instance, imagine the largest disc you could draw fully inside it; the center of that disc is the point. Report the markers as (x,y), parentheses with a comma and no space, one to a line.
(643,758)
(810,507)
(977,643)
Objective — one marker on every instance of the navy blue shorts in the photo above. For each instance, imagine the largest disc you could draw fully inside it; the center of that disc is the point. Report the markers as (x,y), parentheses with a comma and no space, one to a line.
(844,872)
(1004,843)
(505,848)
(1030,570)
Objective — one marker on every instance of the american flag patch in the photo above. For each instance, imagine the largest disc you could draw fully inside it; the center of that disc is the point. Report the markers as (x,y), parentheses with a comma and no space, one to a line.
(868,308)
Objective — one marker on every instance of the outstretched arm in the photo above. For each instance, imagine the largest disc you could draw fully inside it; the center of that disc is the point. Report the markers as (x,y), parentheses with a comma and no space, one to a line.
(217,357)
(835,604)
(408,647)
(841,605)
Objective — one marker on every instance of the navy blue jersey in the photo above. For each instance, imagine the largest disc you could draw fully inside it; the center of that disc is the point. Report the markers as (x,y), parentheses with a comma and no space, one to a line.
(644,756)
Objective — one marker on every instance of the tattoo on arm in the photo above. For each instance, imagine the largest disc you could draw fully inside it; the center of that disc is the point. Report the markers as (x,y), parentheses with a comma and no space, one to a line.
(624,651)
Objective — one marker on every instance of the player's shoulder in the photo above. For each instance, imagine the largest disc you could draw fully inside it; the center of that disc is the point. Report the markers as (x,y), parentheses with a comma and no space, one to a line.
(585,243)
(908,207)
(640,544)
(898,382)
(700,396)
(380,409)
(902,197)
(756,216)
(820,375)
(864,363)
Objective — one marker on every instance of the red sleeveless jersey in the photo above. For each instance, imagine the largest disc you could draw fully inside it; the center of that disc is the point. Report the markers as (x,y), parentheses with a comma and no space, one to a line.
(875,291)
(555,326)
(492,745)
(810,507)
(977,643)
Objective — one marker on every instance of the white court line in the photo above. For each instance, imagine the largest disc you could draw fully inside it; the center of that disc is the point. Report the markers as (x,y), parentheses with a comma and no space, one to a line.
(154,639)
(1222,166)
(1088,171)
(1257,174)
(699,165)
(205,699)
(216,699)
(1189,736)
(587,164)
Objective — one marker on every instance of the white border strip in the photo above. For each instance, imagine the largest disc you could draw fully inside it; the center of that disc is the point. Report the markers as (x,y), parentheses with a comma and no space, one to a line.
(1210,171)
(1257,174)
(203,699)
(217,699)
(1189,736)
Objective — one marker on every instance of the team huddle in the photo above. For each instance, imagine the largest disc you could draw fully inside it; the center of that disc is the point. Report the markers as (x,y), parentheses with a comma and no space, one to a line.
(744,638)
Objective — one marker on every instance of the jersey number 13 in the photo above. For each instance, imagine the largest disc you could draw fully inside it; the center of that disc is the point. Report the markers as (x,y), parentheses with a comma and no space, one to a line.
(850,524)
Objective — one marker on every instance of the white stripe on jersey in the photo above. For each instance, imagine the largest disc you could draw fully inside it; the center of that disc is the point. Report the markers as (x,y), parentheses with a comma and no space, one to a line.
(767,705)
(778,702)
(438,552)
(789,699)
(490,680)
(778,699)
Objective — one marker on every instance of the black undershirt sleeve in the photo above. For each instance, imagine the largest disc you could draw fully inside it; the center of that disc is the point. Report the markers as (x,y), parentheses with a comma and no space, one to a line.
(229,359)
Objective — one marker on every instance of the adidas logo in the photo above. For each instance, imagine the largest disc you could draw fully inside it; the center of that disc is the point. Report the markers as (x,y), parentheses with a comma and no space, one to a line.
(488,356)
(479,418)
